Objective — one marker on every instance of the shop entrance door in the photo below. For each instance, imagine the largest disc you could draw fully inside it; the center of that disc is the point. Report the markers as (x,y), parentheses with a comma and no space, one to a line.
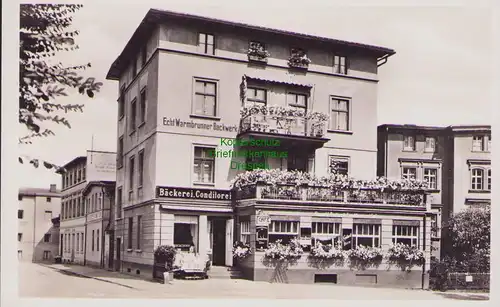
(219,242)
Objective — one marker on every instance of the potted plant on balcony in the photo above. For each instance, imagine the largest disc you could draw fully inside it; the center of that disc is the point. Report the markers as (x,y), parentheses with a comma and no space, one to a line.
(257,52)
(298,59)
(165,254)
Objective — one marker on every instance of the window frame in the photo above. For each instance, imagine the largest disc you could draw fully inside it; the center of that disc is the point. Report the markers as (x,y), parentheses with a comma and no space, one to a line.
(20,214)
(130,232)
(19,237)
(374,236)
(120,152)
(139,232)
(119,202)
(342,159)
(412,236)
(338,68)
(131,175)
(293,233)
(133,116)
(488,180)
(404,174)
(334,236)
(336,100)
(245,233)
(205,81)
(140,168)
(413,147)
(93,239)
(121,103)
(203,159)
(430,149)
(429,176)
(295,104)
(473,184)
(481,140)
(46,238)
(205,44)
(255,100)
(142,106)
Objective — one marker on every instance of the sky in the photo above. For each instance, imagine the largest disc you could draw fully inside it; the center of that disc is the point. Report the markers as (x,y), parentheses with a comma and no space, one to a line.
(441,73)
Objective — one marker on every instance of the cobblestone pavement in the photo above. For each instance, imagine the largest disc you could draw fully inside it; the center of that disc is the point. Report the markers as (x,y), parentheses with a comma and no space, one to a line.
(83,282)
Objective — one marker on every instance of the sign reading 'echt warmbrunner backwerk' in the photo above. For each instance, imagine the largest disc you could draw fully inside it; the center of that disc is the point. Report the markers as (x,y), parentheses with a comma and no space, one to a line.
(192,193)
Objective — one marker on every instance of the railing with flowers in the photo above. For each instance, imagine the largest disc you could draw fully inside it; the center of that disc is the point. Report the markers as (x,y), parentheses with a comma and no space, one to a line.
(257,52)
(327,252)
(282,120)
(241,250)
(405,256)
(294,185)
(299,59)
(278,251)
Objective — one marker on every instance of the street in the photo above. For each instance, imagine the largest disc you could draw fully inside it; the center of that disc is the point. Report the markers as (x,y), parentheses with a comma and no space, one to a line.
(55,282)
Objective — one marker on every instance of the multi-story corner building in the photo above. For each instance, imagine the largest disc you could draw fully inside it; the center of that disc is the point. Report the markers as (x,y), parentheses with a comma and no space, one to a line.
(183,81)
(454,160)
(79,173)
(38,231)
(99,196)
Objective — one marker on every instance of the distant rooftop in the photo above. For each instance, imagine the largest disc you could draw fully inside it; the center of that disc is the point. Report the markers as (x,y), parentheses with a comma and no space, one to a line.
(156,16)
(39,192)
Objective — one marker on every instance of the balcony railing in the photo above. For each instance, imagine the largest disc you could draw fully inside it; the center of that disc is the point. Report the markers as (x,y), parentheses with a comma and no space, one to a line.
(323,194)
(296,126)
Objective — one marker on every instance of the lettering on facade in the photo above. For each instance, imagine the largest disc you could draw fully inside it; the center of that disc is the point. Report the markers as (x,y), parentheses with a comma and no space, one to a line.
(189,193)
(262,219)
(177,122)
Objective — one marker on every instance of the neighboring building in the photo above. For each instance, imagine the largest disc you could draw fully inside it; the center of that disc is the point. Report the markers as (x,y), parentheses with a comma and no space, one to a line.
(38,232)
(183,80)
(79,172)
(454,160)
(99,197)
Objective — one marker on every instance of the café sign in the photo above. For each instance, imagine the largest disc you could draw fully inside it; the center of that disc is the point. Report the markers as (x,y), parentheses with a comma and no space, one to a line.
(192,193)
(262,219)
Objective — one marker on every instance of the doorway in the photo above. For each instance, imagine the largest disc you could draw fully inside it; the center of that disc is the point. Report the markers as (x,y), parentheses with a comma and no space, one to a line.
(219,242)
(118,254)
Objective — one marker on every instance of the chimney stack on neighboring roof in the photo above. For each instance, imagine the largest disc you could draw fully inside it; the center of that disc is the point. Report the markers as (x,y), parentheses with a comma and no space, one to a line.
(53,188)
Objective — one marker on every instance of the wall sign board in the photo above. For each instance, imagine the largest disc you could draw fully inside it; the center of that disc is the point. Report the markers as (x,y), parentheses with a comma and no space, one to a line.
(192,193)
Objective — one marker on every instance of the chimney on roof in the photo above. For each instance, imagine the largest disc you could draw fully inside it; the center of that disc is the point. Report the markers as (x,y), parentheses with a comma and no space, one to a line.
(53,188)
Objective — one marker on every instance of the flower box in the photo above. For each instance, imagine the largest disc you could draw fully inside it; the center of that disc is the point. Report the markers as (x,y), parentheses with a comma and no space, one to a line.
(257,58)
(298,65)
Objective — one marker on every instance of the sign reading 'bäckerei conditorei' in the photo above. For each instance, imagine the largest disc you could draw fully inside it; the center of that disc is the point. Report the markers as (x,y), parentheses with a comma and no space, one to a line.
(192,193)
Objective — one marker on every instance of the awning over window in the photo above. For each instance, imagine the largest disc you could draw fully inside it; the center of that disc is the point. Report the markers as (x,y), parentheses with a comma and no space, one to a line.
(262,80)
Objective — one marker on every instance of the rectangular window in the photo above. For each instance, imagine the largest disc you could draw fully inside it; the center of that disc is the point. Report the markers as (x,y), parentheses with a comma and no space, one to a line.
(141,168)
(119,198)
(339,114)
(340,165)
(340,64)
(19,197)
(477,176)
(283,230)
(430,176)
(133,115)
(46,238)
(121,103)
(407,235)
(478,143)
(131,173)
(409,173)
(257,95)
(49,199)
(46,255)
(97,240)
(81,242)
(134,67)
(325,233)
(245,232)
(130,232)
(143,106)
(185,232)
(204,165)
(93,238)
(489,180)
(20,214)
(206,43)
(409,143)
(205,98)
(430,144)
(297,101)
(83,173)
(489,143)
(139,232)
(367,235)
(77,242)
(19,237)
(79,176)
(120,152)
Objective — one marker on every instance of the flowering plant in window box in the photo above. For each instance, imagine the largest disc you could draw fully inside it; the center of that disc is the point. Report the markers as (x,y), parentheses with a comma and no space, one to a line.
(325,252)
(299,59)
(241,250)
(365,254)
(257,52)
(406,256)
(279,251)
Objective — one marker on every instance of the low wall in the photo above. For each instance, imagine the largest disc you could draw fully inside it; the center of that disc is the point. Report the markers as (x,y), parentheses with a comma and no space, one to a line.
(306,270)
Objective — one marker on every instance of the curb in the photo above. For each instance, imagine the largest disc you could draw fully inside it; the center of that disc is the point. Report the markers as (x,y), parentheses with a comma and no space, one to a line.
(86,276)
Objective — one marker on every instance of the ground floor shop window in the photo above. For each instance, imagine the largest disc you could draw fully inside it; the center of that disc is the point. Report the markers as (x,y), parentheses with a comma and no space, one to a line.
(283,230)
(366,234)
(245,232)
(407,235)
(186,233)
(325,233)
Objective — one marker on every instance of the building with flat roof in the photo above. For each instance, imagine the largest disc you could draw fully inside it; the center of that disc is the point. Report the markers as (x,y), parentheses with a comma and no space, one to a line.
(195,92)
(38,229)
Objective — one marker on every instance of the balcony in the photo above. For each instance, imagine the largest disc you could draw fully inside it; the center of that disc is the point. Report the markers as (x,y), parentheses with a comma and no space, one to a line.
(315,195)
(285,123)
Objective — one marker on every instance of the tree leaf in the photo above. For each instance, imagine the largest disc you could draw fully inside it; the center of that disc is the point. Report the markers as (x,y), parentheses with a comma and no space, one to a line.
(90,93)
(47,165)
(20,160)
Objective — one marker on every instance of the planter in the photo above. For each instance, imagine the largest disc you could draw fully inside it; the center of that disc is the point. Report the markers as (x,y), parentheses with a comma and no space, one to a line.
(257,59)
(303,66)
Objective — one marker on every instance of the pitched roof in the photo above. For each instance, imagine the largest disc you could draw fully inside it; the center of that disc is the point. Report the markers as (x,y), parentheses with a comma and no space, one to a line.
(38,192)
(156,16)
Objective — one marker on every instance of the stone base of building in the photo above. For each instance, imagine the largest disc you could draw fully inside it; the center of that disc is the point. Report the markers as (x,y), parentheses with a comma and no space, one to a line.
(374,278)
(137,269)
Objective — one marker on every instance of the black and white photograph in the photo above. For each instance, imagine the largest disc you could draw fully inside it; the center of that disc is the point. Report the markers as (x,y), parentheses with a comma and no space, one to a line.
(248,150)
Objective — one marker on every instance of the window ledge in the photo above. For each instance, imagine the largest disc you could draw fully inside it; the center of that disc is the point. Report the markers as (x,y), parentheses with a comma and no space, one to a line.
(480,191)
(138,250)
(409,150)
(429,151)
(433,190)
(129,250)
(340,131)
(141,125)
(205,117)
(204,184)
